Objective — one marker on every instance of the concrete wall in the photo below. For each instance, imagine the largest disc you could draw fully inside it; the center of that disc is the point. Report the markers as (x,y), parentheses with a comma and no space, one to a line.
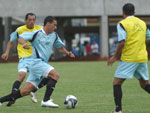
(114,7)
(51,7)
(70,7)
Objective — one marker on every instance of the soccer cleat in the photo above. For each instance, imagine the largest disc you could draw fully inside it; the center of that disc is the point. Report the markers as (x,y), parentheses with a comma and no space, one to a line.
(116,112)
(33,97)
(49,103)
(0,104)
(10,103)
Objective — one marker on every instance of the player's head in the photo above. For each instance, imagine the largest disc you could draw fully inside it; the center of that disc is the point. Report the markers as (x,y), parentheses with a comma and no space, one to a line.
(128,9)
(30,20)
(50,23)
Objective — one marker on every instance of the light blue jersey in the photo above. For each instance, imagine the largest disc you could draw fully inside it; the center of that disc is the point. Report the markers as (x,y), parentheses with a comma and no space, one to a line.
(13,36)
(44,43)
(122,34)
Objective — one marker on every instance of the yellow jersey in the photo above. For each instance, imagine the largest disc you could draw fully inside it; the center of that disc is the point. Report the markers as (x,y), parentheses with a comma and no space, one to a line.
(21,30)
(134,49)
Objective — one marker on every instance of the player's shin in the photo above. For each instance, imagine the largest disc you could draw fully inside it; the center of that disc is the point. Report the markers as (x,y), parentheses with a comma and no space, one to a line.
(11,97)
(16,85)
(118,97)
(6,98)
(42,83)
(17,94)
(49,89)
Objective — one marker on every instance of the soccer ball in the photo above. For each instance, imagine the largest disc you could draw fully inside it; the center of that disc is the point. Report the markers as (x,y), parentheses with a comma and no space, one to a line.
(70,101)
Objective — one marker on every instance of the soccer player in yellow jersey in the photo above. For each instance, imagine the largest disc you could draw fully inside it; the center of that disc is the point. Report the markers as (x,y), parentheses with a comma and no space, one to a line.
(132,36)
(23,54)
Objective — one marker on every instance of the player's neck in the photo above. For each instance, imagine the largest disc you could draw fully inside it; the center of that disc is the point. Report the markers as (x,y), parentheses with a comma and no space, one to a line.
(47,31)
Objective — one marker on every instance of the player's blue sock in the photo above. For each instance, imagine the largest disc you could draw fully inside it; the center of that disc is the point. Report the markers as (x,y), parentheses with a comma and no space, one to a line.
(117,97)
(49,89)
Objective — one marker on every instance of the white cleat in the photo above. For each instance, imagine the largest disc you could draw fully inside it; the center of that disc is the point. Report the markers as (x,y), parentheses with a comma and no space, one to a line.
(33,97)
(49,103)
(0,104)
(116,112)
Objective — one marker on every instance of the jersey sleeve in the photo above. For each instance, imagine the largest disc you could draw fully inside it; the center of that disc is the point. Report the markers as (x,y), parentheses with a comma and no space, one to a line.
(121,33)
(58,43)
(27,36)
(148,34)
(13,36)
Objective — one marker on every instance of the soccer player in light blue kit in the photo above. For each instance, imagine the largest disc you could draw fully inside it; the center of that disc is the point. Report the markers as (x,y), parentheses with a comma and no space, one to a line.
(132,36)
(42,43)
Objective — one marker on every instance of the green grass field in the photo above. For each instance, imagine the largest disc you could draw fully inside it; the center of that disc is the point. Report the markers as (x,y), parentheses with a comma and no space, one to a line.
(90,82)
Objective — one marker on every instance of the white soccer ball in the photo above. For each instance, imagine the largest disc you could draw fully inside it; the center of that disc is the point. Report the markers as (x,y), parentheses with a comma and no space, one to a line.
(70,101)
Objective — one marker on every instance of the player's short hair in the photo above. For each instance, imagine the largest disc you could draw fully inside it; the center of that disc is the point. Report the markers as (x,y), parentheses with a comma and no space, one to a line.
(49,19)
(128,9)
(29,14)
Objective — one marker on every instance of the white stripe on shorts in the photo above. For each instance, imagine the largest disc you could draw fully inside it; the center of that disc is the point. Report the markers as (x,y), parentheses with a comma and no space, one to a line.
(45,74)
(23,70)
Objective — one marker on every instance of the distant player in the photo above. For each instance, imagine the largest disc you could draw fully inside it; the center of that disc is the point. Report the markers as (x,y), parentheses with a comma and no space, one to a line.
(132,34)
(42,43)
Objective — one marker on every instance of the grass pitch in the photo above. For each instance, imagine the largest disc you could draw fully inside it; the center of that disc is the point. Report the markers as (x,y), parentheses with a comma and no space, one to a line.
(90,82)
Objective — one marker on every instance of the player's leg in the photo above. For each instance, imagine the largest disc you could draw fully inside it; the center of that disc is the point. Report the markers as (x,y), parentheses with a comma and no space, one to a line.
(117,92)
(42,83)
(22,70)
(42,69)
(124,71)
(17,83)
(48,72)
(53,78)
(11,97)
(30,84)
(142,75)
(145,85)
(28,87)
(33,93)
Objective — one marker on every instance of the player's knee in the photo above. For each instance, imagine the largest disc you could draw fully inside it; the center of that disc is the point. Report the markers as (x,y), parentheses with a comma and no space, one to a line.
(54,76)
(21,76)
(117,83)
(143,83)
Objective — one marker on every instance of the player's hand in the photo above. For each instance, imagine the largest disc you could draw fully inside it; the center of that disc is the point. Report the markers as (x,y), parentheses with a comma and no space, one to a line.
(4,56)
(111,61)
(26,46)
(71,54)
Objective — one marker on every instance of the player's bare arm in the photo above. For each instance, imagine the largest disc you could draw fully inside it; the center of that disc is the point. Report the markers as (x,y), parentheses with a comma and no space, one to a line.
(117,53)
(23,43)
(6,54)
(69,53)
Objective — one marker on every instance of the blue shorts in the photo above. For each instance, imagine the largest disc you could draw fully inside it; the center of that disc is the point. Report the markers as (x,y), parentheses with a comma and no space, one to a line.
(38,70)
(24,64)
(127,70)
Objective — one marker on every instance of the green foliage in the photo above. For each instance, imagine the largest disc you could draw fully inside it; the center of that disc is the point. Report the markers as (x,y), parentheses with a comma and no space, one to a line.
(90,82)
